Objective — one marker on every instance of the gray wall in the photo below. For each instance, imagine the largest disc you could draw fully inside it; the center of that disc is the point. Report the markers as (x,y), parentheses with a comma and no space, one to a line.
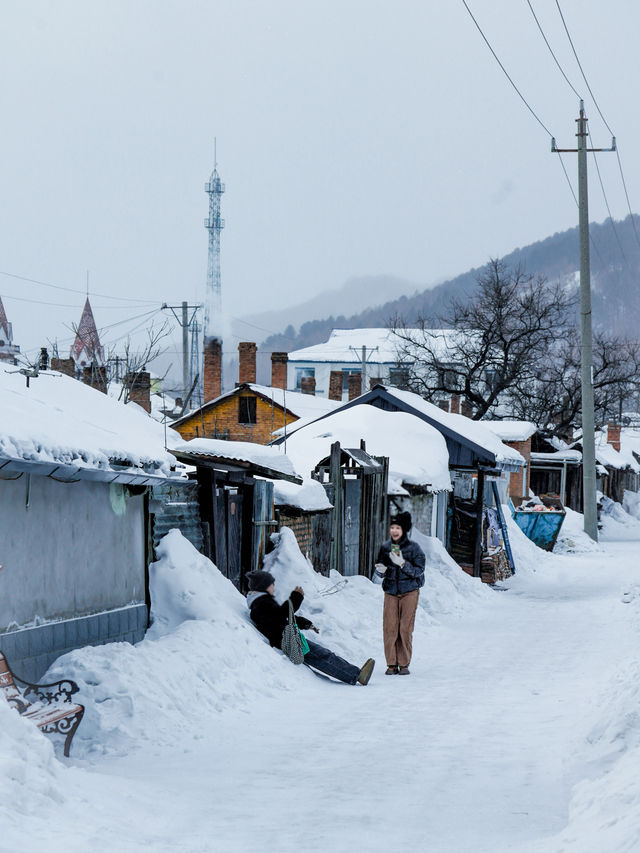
(76,549)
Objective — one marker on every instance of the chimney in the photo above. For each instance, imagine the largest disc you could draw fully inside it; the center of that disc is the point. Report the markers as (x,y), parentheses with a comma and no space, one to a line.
(308,384)
(64,365)
(613,435)
(335,385)
(279,370)
(455,404)
(247,365)
(212,379)
(139,385)
(96,377)
(355,385)
(466,408)
(44,358)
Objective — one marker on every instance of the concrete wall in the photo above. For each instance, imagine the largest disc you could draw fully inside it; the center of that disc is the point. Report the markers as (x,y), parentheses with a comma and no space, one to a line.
(76,549)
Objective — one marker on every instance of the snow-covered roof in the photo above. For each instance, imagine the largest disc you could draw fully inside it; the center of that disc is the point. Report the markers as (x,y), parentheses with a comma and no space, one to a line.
(417,451)
(344,346)
(245,453)
(309,497)
(76,429)
(607,455)
(299,405)
(476,432)
(630,440)
(571,456)
(512,430)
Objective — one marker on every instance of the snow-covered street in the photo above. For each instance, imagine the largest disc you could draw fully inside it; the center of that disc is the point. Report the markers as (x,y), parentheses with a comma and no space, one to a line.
(516,697)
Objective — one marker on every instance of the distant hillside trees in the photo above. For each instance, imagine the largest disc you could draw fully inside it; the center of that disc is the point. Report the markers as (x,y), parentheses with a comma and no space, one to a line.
(514,351)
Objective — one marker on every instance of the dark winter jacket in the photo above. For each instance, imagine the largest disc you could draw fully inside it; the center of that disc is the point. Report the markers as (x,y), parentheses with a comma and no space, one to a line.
(270,618)
(398,580)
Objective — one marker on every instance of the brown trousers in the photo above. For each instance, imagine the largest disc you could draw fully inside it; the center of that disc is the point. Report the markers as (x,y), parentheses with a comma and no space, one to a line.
(398,617)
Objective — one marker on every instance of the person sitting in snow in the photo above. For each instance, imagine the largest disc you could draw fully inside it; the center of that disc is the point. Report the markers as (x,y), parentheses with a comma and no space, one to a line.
(270,619)
(401,564)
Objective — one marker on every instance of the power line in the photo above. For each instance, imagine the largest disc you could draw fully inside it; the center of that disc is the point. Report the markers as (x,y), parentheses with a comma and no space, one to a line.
(62,304)
(624,183)
(546,41)
(584,76)
(75,289)
(495,56)
(606,201)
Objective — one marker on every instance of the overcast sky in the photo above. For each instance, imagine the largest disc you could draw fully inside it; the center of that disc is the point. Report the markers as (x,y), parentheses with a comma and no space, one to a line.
(354,137)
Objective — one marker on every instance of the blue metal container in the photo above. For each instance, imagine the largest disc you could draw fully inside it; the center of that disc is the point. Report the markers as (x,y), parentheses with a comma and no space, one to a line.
(541,527)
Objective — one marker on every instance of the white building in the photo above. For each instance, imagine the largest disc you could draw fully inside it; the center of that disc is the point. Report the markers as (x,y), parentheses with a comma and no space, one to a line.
(348,351)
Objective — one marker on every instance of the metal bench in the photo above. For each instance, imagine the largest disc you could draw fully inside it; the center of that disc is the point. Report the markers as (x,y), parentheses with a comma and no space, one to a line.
(49,706)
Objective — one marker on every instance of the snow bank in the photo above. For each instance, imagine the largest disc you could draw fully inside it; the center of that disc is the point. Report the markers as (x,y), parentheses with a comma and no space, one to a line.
(31,775)
(201,655)
(572,538)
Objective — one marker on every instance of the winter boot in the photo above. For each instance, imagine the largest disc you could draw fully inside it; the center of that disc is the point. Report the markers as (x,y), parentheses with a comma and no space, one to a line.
(404,670)
(392,669)
(365,673)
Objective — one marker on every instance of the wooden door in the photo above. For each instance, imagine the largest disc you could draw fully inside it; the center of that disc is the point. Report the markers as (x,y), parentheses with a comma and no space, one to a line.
(351,526)
(234,536)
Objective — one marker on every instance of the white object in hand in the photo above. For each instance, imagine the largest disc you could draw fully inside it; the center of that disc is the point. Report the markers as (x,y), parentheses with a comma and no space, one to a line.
(380,568)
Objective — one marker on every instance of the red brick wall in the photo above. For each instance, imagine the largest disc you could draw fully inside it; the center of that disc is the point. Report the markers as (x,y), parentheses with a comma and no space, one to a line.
(355,385)
(515,480)
(613,435)
(335,385)
(212,380)
(308,385)
(302,527)
(279,369)
(221,420)
(64,365)
(247,362)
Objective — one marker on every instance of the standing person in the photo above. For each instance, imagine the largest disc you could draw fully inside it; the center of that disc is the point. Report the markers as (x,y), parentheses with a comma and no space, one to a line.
(270,619)
(401,565)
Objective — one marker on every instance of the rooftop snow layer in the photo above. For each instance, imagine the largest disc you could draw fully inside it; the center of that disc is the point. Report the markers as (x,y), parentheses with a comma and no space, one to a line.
(607,455)
(417,451)
(309,497)
(245,452)
(477,432)
(512,430)
(345,345)
(61,420)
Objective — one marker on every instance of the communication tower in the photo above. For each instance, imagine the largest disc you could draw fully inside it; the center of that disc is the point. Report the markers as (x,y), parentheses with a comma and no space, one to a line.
(214,225)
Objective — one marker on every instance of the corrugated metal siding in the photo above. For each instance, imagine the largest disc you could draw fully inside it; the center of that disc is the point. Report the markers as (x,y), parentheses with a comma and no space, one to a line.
(179,508)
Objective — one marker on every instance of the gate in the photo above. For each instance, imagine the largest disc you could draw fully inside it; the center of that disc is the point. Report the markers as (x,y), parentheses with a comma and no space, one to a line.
(351,526)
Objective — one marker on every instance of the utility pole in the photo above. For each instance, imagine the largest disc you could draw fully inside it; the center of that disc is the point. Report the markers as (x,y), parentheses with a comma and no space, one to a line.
(185,322)
(362,355)
(586,359)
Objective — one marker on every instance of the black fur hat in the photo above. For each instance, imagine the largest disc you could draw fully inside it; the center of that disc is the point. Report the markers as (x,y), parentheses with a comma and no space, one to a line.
(260,581)
(403,519)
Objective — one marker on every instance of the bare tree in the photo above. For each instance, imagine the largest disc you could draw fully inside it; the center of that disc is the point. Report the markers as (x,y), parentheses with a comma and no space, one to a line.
(492,342)
(554,400)
(135,359)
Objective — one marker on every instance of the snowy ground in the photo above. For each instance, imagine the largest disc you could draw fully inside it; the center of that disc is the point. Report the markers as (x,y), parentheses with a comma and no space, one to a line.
(518,729)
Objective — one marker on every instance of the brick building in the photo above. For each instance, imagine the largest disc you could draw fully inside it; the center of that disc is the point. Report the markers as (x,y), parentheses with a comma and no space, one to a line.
(8,350)
(250,412)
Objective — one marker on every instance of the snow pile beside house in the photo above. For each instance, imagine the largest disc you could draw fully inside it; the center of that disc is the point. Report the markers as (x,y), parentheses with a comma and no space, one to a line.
(31,775)
(572,538)
(58,419)
(202,654)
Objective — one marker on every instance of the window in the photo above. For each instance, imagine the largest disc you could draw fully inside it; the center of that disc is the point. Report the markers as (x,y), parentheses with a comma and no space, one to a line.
(304,373)
(246,410)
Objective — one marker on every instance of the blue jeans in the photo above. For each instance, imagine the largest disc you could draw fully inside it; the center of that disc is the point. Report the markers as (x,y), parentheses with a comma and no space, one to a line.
(330,664)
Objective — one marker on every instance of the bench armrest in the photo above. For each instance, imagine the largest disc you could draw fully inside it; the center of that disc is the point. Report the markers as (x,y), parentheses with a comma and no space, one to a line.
(58,691)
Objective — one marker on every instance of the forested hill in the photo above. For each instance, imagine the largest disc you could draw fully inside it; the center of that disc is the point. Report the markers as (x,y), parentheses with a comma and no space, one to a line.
(615,275)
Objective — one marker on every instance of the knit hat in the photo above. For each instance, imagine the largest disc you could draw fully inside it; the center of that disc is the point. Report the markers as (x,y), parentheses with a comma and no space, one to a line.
(403,519)
(260,581)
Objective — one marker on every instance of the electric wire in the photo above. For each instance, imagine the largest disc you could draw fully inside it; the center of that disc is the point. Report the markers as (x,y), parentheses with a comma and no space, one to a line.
(546,41)
(506,73)
(584,77)
(76,290)
(606,201)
